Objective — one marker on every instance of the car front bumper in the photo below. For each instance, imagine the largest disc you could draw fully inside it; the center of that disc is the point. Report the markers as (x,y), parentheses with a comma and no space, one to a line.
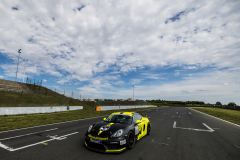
(108,146)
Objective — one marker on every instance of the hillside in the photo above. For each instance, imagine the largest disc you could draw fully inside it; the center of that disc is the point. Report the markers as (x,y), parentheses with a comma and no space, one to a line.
(34,95)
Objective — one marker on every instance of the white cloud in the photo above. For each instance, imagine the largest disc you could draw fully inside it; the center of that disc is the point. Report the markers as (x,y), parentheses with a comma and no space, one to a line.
(121,36)
(152,76)
(44,80)
(206,86)
(136,81)
(1,76)
(189,67)
(88,41)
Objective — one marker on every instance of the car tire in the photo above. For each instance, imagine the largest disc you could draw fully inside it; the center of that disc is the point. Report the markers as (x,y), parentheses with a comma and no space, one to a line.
(148,129)
(130,140)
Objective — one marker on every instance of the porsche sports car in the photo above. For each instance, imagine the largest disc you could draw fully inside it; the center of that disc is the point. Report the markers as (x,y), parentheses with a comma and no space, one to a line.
(118,132)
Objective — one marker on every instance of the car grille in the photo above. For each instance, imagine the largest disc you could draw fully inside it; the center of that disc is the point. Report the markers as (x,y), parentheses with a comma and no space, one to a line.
(97,146)
(113,146)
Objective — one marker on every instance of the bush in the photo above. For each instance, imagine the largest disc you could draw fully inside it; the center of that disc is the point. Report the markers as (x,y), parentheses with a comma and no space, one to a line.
(231,104)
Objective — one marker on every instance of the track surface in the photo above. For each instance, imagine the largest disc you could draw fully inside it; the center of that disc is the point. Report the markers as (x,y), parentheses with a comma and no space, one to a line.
(177,133)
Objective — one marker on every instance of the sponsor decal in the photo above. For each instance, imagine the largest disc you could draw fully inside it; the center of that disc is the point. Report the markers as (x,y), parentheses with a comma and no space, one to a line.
(105,128)
(123,142)
(98,138)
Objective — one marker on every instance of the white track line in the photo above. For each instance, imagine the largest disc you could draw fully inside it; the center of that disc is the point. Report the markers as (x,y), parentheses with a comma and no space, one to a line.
(190,113)
(28,134)
(5,147)
(209,129)
(216,118)
(11,149)
(236,146)
(174,124)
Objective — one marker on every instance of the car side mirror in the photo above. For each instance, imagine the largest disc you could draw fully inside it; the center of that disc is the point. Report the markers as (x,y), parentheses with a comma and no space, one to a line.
(138,121)
(104,119)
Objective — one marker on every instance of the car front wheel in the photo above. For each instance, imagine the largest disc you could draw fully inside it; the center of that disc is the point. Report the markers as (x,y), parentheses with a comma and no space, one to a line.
(148,129)
(130,140)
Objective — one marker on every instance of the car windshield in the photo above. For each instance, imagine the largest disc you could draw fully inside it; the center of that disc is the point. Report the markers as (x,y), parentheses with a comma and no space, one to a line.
(119,119)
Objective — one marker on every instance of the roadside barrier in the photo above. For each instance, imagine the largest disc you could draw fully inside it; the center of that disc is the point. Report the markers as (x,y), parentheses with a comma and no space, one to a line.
(105,108)
(31,110)
(98,108)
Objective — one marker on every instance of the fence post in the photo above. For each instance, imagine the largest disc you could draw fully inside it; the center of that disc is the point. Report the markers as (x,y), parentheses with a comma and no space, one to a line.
(21,99)
(44,97)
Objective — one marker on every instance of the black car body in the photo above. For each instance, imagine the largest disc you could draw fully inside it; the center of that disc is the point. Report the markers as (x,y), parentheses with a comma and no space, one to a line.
(119,134)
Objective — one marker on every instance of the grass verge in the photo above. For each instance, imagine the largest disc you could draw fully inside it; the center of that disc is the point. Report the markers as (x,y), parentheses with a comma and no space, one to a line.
(13,99)
(225,114)
(9,122)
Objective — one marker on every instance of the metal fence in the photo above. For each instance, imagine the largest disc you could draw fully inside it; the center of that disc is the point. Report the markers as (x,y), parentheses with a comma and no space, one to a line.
(119,103)
(34,82)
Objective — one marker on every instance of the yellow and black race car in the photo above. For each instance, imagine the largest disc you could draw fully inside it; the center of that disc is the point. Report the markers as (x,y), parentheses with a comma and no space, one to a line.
(118,132)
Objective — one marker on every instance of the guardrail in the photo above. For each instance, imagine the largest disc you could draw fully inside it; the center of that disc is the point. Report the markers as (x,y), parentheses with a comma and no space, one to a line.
(106,108)
(31,110)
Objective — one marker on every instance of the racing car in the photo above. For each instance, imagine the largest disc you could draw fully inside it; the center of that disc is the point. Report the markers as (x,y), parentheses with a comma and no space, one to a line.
(118,132)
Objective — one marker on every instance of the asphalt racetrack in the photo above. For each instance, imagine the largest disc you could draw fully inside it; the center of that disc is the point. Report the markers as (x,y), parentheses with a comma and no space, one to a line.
(177,133)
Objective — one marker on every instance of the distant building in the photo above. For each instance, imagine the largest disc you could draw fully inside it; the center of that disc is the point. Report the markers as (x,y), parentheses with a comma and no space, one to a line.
(130,99)
(85,99)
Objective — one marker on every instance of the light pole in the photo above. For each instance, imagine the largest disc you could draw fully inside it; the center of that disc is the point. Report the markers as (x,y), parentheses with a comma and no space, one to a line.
(17,64)
(133,93)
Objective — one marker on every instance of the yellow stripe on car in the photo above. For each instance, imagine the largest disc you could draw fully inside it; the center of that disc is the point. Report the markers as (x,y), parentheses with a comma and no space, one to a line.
(98,138)
(85,143)
(116,113)
(128,113)
(110,124)
(116,150)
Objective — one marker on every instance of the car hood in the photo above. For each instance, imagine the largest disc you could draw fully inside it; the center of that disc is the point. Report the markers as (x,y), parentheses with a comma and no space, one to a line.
(98,128)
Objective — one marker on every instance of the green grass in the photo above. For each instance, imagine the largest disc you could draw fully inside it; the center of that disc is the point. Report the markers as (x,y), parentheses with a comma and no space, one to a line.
(12,99)
(225,114)
(9,122)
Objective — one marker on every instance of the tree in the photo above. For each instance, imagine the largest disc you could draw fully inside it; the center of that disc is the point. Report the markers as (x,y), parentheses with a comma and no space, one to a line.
(218,103)
(231,104)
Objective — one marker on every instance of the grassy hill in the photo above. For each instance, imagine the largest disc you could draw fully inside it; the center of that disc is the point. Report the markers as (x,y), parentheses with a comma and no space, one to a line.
(13,99)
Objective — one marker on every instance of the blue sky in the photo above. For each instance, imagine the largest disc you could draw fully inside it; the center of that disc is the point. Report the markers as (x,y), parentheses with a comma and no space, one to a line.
(171,50)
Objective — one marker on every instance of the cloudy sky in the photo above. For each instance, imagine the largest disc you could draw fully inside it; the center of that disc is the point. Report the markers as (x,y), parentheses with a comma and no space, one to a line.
(171,50)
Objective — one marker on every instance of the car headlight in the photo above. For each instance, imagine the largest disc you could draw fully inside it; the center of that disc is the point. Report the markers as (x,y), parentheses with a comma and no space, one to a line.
(118,133)
(90,127)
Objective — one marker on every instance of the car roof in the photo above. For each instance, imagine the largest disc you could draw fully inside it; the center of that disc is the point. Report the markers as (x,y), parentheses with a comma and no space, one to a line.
(126,113)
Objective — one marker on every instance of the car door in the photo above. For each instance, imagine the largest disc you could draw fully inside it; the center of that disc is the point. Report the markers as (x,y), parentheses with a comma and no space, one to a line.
(140,126)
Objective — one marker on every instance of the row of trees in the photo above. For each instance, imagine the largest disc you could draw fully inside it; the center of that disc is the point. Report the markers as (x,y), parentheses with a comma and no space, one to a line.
(229,104)
(187,102)
(176,102)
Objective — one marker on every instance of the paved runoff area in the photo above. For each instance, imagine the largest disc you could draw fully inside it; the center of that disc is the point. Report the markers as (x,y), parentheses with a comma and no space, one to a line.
(177,133)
